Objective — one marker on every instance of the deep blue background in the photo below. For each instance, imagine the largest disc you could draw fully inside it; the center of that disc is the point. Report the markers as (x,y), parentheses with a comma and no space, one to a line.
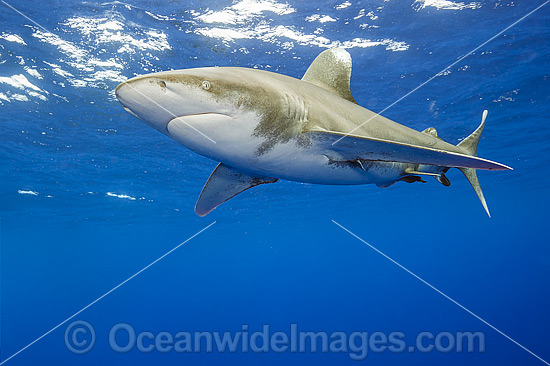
(274,256)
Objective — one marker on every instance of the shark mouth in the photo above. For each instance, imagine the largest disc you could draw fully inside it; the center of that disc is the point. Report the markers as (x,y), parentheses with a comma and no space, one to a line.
(129,111)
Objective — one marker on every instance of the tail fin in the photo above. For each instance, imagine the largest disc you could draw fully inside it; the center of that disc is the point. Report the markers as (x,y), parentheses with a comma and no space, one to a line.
(469,145)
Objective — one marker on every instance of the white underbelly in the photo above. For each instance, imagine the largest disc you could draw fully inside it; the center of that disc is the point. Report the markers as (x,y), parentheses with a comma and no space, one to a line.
(238,147)
(313,165)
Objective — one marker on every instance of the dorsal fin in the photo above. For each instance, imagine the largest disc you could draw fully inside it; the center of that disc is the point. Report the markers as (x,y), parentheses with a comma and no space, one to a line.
(431,131)
(331,70)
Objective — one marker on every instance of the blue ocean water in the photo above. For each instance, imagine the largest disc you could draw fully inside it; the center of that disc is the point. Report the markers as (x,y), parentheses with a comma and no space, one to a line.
(90,195)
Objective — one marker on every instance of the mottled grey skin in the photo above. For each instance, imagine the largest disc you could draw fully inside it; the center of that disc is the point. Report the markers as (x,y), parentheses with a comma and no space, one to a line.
(286,115)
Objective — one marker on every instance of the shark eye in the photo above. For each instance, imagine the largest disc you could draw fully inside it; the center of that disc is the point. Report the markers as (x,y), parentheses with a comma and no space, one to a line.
(162,84)
(206,84)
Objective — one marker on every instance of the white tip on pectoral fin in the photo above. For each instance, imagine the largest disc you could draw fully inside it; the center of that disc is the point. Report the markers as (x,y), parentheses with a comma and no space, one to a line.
(224,183)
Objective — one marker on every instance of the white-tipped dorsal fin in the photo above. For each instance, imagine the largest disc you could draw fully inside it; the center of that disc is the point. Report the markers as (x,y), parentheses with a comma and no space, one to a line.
(331,70)
(431,131)
(224,183)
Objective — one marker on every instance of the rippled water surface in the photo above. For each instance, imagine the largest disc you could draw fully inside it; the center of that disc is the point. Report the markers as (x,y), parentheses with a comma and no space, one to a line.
(90,195)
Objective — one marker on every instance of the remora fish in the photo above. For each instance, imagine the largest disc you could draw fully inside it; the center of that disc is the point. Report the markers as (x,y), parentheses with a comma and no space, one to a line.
(262,126)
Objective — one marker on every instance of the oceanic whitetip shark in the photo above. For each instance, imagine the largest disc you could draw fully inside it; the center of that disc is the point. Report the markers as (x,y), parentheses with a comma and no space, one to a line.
(262,126)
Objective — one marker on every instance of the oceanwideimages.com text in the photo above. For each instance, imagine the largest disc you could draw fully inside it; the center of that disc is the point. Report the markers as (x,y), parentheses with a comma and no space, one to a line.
(80,337)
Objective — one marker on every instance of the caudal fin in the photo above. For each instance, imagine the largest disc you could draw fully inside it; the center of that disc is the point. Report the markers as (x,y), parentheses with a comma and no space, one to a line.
(469,145)
(471,174)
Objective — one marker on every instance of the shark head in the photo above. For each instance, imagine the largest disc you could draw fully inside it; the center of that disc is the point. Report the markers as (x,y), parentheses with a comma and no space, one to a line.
(219,112)
(159,98)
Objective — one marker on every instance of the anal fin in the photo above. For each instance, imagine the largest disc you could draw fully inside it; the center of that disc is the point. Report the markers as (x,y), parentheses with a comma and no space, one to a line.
(224,183)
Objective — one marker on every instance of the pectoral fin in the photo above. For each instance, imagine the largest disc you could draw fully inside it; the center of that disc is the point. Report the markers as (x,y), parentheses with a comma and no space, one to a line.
(367,148)
(224,183)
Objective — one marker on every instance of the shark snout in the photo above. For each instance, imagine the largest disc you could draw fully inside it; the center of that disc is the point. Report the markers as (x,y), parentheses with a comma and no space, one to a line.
(120,93)
(144,98)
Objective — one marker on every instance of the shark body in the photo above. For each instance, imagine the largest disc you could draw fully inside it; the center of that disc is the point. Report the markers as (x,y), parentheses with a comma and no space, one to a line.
(262,126)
